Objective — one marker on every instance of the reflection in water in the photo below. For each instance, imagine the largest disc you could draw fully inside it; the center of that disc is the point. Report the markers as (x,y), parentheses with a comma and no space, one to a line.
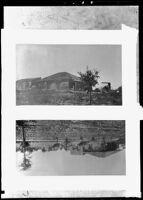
(71,158)
(26,163)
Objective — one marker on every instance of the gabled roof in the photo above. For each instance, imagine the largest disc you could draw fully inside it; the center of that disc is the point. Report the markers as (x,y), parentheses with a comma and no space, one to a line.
(57,76)
(102,154)
(61,76)
(29,79)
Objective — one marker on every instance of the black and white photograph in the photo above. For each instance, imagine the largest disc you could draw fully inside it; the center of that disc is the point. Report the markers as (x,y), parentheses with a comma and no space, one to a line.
(70,101)
(70,147)
(68,74)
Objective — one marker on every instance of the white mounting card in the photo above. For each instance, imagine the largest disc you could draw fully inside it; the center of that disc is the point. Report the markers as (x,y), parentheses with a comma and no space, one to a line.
(130,111)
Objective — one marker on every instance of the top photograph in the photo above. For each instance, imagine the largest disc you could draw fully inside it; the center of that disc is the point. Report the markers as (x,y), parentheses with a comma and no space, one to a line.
(68,74)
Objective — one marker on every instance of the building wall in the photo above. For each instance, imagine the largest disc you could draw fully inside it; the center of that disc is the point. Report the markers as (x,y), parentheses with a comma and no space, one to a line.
(61,85)
(23,85)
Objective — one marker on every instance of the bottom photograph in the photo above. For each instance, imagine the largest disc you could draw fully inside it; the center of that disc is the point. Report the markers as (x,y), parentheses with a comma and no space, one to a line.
(70,147)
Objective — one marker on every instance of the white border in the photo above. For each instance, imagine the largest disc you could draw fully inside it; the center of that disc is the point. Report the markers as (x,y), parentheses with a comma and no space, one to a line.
(130,111)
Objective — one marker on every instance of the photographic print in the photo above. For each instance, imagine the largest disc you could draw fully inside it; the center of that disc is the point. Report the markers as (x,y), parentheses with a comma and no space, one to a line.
(68,74)
(70,147)
(43,65)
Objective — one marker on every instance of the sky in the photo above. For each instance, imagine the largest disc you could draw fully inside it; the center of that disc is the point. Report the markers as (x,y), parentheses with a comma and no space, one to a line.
(34,60)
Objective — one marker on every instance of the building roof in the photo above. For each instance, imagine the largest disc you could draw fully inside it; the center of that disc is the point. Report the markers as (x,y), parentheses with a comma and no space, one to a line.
(29,79)
(61,76)
(102,154)
(57,76)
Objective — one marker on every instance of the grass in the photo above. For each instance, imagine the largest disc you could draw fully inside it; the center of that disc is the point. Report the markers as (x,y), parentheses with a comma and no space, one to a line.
(66,97)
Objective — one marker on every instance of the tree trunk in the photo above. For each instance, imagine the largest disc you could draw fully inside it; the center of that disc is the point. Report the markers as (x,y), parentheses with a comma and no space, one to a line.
(90,98)
(23,132)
